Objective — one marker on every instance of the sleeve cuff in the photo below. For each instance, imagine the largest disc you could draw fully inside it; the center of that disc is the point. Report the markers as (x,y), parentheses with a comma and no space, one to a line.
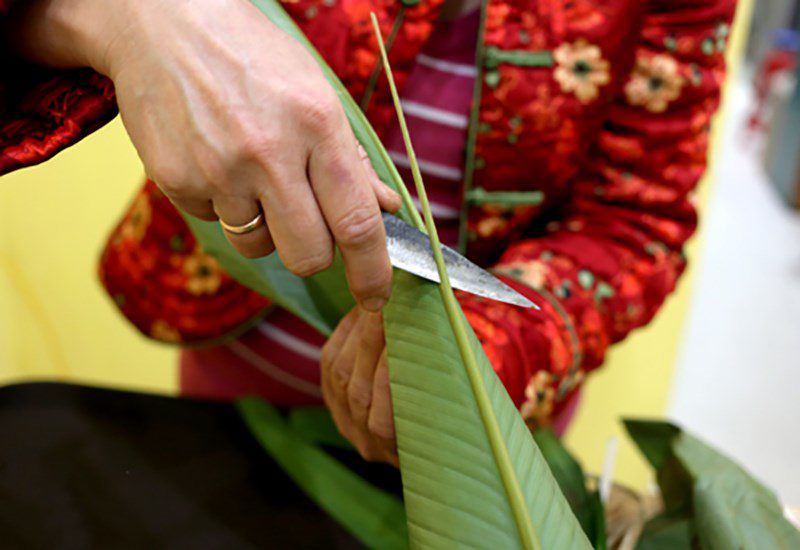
(44,111)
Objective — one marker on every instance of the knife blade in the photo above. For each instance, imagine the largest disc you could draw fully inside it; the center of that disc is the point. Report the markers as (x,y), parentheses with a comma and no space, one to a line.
(410,250)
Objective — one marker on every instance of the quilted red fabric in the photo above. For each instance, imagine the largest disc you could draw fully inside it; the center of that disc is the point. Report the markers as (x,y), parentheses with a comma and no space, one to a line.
(589,135)
(43,111)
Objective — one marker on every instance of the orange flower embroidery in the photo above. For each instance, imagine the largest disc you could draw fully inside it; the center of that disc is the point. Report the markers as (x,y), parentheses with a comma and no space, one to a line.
(532,273)
(654,83)
(581,69)
(203,273)
(161,330)
(540,398)
(138,220)
(491,225)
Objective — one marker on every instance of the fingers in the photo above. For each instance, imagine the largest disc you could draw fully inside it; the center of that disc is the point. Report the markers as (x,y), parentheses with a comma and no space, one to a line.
(331,349)
(381,416)
(341,368)
(335,376)
(239,211)
(354,368)
(388,199)
(198,208)
(298,229)
(359,388)
(349,204)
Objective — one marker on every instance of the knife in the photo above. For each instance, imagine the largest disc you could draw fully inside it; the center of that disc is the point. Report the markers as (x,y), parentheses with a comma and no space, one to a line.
(410,250)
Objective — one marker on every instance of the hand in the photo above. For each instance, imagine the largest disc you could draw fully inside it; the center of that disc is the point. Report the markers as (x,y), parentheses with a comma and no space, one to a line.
(232,117)
(355,385)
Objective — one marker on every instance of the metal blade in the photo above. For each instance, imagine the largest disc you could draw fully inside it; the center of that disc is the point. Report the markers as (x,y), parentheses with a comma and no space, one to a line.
(410,250)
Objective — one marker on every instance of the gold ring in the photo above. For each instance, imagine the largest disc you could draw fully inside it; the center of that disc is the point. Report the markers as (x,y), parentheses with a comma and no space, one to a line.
(249,227)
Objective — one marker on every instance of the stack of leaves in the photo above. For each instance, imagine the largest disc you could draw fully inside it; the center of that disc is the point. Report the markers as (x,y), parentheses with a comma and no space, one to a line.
(709,500)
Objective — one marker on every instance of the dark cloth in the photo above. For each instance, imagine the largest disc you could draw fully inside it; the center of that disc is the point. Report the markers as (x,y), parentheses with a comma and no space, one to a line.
(91,468)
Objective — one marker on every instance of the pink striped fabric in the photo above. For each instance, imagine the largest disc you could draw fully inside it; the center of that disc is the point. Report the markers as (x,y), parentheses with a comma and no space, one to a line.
(279,359)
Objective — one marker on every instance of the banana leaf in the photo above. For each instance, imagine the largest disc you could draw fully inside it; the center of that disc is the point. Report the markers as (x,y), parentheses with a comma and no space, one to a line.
(728,507)
(375,517)
(571,480)
(471,472)
(316,425)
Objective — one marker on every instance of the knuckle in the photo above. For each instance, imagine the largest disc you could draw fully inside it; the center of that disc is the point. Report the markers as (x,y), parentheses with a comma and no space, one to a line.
(341,376)
(358,227)
(326,356)
(213,168)
(380,427)
(169,177)
(249,141)
(320,111)
(359,394)
(254,144)
(368,453)
(311,264)
(377,284)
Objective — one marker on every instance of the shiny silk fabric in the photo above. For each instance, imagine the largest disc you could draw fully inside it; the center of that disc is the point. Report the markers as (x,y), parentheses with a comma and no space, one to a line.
(587,139)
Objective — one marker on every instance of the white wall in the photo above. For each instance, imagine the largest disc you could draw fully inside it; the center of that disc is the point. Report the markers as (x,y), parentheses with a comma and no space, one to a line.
(737,381)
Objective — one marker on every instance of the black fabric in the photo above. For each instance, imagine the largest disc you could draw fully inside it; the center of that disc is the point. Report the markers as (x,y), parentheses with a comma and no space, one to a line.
(90,468)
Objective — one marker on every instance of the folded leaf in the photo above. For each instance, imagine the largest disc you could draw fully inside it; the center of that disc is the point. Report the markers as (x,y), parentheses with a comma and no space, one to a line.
(666,533)
(731,508)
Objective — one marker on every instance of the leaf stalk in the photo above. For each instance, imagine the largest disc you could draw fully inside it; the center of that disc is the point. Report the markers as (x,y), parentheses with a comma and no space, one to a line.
(519,508)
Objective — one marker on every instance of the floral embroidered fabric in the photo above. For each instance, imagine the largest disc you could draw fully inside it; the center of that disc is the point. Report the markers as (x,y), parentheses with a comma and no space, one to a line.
(588,135)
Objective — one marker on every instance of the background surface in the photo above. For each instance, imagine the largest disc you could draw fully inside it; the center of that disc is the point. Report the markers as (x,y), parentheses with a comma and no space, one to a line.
(57,324)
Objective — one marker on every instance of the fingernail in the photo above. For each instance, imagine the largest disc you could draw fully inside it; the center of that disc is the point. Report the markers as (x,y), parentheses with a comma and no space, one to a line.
(375,303)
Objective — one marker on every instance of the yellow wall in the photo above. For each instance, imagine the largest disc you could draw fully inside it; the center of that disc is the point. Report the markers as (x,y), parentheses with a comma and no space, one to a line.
(55,322)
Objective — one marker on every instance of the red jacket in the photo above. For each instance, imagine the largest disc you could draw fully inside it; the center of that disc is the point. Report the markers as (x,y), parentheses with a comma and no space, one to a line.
(587,137)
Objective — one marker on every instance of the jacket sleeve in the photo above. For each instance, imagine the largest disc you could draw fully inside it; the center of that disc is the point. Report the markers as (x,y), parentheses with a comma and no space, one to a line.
(605,266)
(43,111)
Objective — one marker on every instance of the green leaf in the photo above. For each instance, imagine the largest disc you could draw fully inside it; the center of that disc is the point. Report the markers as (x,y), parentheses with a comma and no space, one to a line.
(570,477)
(373,516)
(316,425)
(599,535)
(498,425)
(731,508)
(453,491)
(666,533)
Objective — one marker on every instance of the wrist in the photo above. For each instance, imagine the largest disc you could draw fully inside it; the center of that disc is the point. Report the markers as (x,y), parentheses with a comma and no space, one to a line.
(65,33)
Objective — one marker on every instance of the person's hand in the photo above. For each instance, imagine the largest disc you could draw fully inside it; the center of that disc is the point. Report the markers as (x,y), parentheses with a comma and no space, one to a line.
(232,117)
(355,385)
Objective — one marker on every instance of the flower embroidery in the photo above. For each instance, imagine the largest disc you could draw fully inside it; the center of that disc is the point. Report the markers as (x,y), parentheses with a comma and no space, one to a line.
(654,83)
(491,225)
(161,330)
(138,220)
(533,273)
(539,398)
(203,273)
(581,69)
